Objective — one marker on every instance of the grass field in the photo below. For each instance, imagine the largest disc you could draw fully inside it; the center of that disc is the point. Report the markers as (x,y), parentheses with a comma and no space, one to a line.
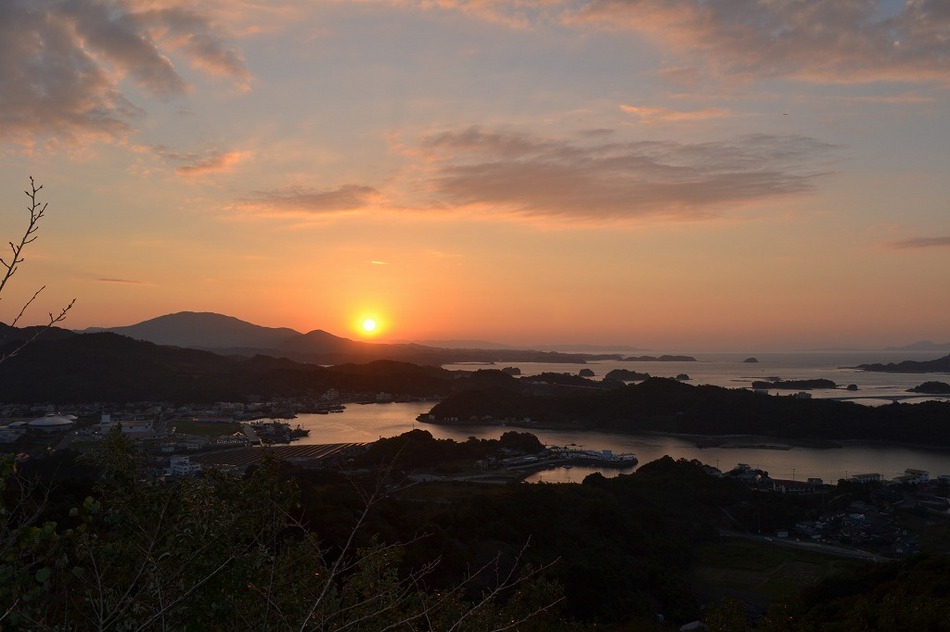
(760,573)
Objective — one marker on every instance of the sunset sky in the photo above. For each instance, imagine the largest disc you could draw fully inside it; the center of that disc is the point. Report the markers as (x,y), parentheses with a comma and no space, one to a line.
(673,175)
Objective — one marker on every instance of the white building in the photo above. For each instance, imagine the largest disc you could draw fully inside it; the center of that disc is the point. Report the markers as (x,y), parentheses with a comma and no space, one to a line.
(182,466)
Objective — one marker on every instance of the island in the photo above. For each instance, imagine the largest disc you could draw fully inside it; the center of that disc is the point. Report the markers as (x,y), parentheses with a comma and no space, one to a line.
(931,388)
(798,385)
(940,365)
(751,360)
(662,358)
(626,375)
(669,406)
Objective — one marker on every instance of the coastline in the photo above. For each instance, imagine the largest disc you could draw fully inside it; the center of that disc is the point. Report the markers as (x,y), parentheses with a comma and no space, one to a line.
(701,441)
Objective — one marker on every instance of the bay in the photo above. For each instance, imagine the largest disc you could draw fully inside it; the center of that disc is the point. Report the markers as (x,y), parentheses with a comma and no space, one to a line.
(366,423)
(369,422)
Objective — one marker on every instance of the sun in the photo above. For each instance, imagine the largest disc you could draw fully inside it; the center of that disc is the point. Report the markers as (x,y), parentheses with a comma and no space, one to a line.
(368,325)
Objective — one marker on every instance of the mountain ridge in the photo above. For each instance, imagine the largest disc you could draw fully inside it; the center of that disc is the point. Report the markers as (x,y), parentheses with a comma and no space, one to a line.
(227,335)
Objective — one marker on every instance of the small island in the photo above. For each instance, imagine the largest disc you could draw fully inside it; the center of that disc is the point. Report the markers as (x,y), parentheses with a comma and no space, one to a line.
(662,358)
(751,360)
(626,375)
(931,388)
(798,385)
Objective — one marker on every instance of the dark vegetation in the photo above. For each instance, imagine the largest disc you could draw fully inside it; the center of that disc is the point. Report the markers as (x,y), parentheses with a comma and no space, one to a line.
(108,367)
(626,375)
(665,405)
(108,548)
(933,387)
(940,365)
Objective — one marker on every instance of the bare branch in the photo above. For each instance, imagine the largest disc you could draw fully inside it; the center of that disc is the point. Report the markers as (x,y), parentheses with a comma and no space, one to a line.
(8,268)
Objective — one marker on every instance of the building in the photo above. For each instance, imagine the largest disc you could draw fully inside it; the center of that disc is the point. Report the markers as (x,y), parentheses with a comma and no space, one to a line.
(52,423)
(182,466)
(866,478)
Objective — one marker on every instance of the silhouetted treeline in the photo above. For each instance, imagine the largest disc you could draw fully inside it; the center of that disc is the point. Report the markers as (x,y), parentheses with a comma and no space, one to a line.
(940,365)
(665,405)
(110,367)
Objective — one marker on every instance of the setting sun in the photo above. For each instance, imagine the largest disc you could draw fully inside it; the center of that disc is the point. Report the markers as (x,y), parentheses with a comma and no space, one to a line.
(368,325)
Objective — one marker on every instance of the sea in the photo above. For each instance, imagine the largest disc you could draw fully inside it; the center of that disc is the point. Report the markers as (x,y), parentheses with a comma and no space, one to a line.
(369,422)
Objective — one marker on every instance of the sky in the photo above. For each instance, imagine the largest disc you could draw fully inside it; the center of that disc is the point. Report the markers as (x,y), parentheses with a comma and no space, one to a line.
(672,175)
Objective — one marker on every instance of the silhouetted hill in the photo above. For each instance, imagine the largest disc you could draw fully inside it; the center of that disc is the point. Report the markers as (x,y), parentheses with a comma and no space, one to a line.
(109,367)
(940,365)
(230,336)
(203,330)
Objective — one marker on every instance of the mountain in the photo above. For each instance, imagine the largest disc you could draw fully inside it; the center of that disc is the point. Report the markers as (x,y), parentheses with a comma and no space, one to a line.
(227,335)
(203,330)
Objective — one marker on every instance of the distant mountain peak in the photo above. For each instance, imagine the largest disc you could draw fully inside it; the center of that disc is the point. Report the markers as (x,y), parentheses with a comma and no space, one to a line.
(203,330)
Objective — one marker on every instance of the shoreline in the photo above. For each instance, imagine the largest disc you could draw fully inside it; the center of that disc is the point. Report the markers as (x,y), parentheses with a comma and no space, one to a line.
(702,441)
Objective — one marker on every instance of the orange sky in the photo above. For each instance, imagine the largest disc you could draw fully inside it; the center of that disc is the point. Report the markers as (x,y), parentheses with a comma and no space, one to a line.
(673,175)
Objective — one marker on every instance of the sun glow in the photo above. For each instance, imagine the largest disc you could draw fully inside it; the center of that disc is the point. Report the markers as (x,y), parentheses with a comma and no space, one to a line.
(368,325)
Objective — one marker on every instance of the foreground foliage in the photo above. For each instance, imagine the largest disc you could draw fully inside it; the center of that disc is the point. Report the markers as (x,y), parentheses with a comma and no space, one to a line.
(287,548)
(216,552)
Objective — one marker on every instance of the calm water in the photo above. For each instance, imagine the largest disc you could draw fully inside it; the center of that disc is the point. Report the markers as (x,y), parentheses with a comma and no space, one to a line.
(373,421)
(364,423)
(729,370)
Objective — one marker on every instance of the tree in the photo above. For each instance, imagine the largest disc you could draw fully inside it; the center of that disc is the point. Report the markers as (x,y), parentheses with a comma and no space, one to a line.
(36,210)
(227,553)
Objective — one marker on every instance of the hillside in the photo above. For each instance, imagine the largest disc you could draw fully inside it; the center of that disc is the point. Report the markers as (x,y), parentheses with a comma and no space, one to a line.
(73,367)
(227,335)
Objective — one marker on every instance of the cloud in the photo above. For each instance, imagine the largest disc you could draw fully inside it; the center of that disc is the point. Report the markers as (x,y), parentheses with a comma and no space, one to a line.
(505,172)
(921,242)
(348,197)
(215,162)
(376,262)
(122,281)
(62,61)
(666,115)
(824,41)
(513,13)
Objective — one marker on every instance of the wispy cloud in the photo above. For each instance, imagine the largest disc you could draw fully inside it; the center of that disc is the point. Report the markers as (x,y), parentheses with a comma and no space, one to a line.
(820,40)
(514,173)
(921,242)
(121,281)
(666,115)
(215,162)
(348,197)
(376,262)
(62,63)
